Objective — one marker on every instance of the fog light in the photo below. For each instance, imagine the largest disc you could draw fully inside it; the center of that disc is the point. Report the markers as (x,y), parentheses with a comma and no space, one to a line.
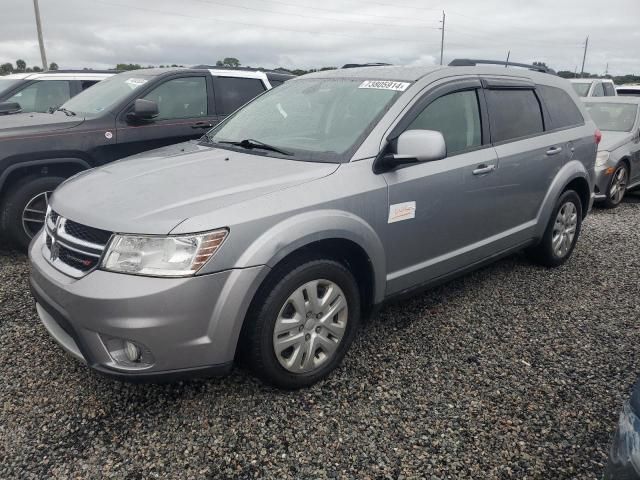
(128,354)
(132,351)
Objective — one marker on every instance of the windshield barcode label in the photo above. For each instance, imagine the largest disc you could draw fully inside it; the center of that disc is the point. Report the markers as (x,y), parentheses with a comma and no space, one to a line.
(385,85)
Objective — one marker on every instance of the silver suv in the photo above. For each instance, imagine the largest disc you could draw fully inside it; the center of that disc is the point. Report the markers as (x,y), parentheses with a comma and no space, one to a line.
(269,239)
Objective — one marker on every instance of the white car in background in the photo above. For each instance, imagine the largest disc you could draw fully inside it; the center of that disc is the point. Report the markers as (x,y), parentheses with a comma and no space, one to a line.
(630,89)
(593,87)
(40,91)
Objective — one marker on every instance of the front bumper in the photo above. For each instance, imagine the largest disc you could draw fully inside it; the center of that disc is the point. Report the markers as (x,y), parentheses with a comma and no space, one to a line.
(602,179)
(190,325)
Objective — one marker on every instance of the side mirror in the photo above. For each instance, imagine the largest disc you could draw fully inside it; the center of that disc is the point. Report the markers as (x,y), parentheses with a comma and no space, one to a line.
(143,110)
(8,108)
(416,146)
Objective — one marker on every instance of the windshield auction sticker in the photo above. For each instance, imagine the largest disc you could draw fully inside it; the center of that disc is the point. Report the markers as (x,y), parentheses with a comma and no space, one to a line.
(385,85)
(135,82)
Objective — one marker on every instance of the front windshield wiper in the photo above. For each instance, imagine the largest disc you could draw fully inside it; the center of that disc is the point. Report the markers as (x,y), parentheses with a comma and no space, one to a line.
(250,143)
(66,111)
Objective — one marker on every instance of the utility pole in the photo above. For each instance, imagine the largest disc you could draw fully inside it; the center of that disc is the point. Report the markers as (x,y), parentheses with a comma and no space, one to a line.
(442,39)
(43,55)
(606,70)
(584,57)
(507,62)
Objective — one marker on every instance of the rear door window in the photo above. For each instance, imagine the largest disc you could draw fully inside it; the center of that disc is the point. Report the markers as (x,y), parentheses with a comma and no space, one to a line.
(42,95)
(562,110)
(609,91)
(513,114)
(457,117)
(231,93)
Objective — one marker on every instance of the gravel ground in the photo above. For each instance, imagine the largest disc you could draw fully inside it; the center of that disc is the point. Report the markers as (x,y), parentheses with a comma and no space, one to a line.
(514,371)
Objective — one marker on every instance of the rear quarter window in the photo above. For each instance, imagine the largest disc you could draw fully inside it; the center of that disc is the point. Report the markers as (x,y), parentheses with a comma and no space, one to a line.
(513,114)
(609,90)
(563,111)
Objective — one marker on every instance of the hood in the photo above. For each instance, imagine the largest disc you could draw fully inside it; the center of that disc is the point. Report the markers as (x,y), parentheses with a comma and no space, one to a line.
(21,124)
(612,140)
(152,193)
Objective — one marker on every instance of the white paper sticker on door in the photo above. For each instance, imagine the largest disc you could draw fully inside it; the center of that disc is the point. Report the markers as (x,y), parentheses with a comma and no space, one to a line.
(402,211)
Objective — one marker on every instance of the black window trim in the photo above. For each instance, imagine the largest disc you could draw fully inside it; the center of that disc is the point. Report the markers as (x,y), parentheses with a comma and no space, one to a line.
(553,129)
(126,105)
(543,112)
(436,93)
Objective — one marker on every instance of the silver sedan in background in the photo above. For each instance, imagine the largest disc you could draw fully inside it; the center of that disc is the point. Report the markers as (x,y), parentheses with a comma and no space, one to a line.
(618,160)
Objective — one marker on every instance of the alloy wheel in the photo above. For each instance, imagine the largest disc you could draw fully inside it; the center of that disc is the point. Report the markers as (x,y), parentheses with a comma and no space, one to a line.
(618,185)
(34,213)
(564,229)
(310,326)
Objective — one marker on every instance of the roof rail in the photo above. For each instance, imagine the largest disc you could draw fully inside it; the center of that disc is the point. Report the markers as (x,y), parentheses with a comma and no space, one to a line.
(372,64)
(88,70)
(273,73)
(468,62)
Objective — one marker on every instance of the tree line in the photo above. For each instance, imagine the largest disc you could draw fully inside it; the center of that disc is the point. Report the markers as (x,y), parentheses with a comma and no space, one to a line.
(231,62)
(21,67)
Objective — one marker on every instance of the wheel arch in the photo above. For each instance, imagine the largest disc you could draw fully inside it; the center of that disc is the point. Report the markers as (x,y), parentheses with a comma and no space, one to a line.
(344,251)
(337,233)
(48,166)
(627,161)
(581,187)
(573,175)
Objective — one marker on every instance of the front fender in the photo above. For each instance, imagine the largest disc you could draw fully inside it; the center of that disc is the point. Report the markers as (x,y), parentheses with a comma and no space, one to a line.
(571,171)
(305,228)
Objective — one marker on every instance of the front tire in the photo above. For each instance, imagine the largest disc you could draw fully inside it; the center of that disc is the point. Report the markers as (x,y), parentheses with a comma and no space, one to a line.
(24,208)
(562,232)
(301,323)
(617,186)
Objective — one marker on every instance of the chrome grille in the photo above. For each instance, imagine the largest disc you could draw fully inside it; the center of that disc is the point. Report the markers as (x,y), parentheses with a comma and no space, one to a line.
(71,247)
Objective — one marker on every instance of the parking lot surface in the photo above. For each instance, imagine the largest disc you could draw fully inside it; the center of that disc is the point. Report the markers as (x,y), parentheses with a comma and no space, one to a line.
(514,371)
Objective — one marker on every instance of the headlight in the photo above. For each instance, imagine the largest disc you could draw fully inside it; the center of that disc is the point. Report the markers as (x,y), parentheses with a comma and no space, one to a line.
(172,256)
(601,158)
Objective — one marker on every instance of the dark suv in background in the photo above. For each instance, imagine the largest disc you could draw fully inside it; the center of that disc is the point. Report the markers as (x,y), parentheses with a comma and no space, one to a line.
(38,92)
(126,114)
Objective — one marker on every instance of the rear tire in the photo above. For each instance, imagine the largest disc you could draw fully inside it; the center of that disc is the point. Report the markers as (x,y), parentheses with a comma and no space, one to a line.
(292,337)
(562,232)
(617,187)
(20,225)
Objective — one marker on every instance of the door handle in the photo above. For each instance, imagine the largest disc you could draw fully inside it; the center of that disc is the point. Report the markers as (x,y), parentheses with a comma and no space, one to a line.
(201,125)
(554,151)
(483,169)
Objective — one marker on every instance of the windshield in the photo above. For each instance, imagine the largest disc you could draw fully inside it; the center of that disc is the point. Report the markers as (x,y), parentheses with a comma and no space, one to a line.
(105,94)
(615,117)
(7,83)
(582,89)
(312,119)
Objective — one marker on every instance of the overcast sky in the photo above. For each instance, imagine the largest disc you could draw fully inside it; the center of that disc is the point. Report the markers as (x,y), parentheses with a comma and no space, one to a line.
(308,33)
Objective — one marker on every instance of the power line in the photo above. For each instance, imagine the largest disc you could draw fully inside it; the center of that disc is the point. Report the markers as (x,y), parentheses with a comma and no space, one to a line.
(262,10)
(342,12)
(396,6)
(248,24)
